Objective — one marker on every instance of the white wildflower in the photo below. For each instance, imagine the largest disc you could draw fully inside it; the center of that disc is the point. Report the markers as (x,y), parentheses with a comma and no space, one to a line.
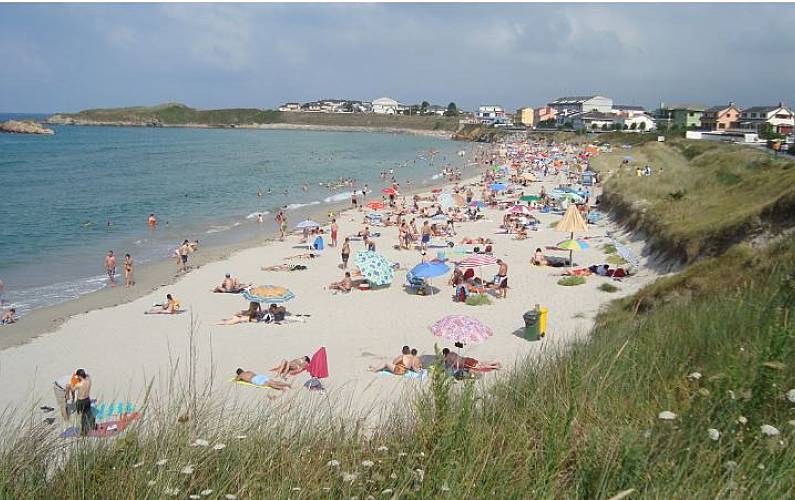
(420,475)
(742,420)
(694,376)
(200,442)
(139,464)
(161,462)
(761,466)
(172,492)
(714,434)
(241,436)
(393,476)
(206,493)
(333,463)
(219,446)
(792,423)
(349,477)
(731,394)
(422,453)
(791,395)
(730,465)
(383,448)
(647,433)
(769,430)
(151,483)
(296,488)
(666,415)
(367,463)
(387,491)
(187,470)
(230,496)
(445,487)
(194,497)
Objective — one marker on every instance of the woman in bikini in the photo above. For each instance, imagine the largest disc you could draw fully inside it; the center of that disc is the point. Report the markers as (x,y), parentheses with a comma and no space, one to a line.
(399,365)
(128,271)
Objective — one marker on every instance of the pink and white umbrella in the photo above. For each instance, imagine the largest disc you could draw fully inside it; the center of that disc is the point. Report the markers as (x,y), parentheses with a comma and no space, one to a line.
(477,261)
(520,210)
(461,329)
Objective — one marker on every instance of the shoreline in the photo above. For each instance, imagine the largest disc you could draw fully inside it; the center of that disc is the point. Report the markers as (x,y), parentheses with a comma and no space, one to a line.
(157,275)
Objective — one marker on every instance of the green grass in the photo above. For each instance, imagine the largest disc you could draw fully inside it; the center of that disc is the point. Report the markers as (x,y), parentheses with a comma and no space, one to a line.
(616,260)
(609,248)
(608,287)
(478,299)
(571,281)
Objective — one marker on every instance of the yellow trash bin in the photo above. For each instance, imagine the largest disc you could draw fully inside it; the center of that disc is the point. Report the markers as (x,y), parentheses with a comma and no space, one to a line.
(543,321)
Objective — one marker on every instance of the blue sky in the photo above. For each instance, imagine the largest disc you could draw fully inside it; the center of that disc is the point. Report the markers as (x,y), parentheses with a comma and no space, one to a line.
(67,57)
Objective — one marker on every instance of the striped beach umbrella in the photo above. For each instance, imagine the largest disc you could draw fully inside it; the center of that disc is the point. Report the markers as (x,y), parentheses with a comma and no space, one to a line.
(476,261)
(577,244)
(307,224)
(461,329)
(268,294)
(520,210)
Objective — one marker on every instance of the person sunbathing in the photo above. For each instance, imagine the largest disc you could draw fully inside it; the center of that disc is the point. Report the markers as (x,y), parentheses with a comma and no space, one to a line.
(310,255)
(456,362)
(229,285)
(284,267)
(292,368)
(345,285)
(250,315)
(479,240)
(171,306)
(260,380)
(399,365)
(521,233)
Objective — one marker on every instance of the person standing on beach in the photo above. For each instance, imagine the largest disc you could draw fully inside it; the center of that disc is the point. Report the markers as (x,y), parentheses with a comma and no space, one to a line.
(64,393)
(110,267)
(426,235)
(501,280)
(184,250)
(334,232)
(128,271)
(83,402)
(281,221)
(346,252)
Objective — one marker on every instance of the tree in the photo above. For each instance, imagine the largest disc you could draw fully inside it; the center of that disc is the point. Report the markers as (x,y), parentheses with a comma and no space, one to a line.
(424,107)
(767,132)
(634,126)
(642,126)
(594,126)
(605,126)
(452,110)
(550,123)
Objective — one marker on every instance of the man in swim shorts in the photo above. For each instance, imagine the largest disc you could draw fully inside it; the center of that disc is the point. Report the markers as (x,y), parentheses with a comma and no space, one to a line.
(426,235)
(110,267)
(260,380)
(501,280)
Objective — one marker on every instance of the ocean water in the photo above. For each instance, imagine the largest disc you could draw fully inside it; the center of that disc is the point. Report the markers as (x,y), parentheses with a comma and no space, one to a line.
(66,199)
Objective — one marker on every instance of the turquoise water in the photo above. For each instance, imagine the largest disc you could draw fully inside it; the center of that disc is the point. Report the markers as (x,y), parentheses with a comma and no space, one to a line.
(69,198)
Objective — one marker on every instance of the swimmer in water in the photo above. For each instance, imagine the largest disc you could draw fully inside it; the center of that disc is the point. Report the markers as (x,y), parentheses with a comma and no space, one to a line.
(259,193)
(152,221)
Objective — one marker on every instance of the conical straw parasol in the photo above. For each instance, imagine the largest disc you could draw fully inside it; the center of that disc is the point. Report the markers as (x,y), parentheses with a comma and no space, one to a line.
(572,222)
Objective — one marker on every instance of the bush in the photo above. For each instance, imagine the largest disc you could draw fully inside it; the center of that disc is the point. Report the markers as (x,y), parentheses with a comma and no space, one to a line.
(616,260)
(608,287)
(609,248)
(478,299)
(571,281)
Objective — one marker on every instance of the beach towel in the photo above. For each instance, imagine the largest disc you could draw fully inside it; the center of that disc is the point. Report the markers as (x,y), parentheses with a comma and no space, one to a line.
(318,244)
(421,375)
(106,429)
(241,382)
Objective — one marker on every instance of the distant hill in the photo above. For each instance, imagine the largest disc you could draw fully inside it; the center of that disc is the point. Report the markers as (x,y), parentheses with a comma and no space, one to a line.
(180,115)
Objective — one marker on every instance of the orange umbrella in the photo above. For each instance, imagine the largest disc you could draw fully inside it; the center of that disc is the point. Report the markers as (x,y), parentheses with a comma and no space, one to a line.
(375,205)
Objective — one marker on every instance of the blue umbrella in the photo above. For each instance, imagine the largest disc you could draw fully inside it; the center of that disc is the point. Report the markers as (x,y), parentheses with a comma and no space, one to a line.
(374,268)
(430,269)
(498,186)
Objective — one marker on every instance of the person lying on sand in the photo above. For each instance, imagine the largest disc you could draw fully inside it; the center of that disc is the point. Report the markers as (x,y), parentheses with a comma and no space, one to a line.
(292,368)
(456,362)
(277,314)
(539,259)
(230,285)
(9,317)
(260,380)
(345,285)
(171,306)
(399,365)
(285,267)
(250,315)
(310,255)
(479,240)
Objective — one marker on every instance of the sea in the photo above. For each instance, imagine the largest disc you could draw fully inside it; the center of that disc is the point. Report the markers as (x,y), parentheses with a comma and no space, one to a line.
(66,199)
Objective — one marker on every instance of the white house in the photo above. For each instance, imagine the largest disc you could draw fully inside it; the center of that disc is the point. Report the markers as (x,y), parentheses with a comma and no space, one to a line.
(386,106)
(628,109)
(290,106)
(566,106)
(638,122)
(593,120)
(780,117)
(434,109)
(490,113)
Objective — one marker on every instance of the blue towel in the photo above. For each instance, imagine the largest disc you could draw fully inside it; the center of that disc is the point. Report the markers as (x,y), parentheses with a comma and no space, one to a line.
(421,375)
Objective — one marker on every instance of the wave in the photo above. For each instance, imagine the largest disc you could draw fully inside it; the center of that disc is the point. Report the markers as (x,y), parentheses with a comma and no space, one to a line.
(295,206)
(436,176)
(253,215)
(338,197)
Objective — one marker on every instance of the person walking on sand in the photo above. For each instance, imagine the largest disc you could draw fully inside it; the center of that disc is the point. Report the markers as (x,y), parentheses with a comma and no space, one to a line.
(128,271)
(346,252)
(110,267)
(334,231)
(281,221)
(82,391)
(184,250)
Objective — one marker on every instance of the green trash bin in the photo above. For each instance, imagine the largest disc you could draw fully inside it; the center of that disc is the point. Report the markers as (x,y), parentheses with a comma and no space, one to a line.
(532,325)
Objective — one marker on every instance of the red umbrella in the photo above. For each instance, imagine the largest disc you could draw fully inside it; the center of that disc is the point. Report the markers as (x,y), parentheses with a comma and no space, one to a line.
(318,365)
(390,191)
(375,205)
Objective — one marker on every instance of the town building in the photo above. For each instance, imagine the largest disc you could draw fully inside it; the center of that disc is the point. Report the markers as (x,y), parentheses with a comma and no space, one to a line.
(434,109)
(723,117)
(683,115)
(290,107)
(780,118)
(637,122)
(628,109)
(566,106)
(594,120)
(387,106)
(544,114)
(526,117)
(491,114)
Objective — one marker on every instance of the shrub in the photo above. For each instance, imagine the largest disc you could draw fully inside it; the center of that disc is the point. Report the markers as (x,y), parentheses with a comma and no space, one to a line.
(608,287)
(478,299)
(609,248)
(616,260)
(571,281)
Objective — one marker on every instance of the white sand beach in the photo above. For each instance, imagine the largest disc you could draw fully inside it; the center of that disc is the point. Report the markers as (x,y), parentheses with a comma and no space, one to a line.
(124,350)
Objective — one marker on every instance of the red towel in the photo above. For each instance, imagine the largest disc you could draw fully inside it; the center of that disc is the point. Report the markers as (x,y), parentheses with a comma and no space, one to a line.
(318,365)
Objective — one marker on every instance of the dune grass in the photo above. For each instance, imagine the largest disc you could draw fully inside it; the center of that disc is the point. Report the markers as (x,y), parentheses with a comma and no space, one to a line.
(571,281)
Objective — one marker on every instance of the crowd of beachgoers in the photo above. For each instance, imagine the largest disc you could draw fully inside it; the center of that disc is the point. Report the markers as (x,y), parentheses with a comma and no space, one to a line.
(433,266)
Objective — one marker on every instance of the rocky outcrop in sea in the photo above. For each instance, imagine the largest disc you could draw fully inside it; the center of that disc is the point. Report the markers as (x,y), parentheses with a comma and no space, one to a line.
(25,127)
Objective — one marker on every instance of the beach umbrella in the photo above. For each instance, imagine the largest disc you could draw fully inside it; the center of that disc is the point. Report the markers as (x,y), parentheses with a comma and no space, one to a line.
(576,244)
(519,209)
(530,197)
(268,294)
(318,364)
(572,197)
(430,269)
(477,204)
(461,329)
(307,224)
(374,216)
(375,205)
(476,261)
(390,191)
(446,200)
(498,186)
(375,268)
(572,222)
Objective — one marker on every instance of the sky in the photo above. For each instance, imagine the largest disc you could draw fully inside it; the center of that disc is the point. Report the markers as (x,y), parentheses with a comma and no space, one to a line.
(68,57)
